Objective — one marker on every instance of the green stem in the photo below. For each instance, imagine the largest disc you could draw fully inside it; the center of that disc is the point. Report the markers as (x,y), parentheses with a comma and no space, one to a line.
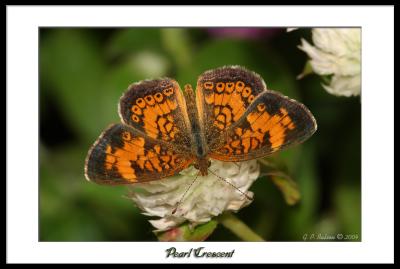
(267,163)
(239,228)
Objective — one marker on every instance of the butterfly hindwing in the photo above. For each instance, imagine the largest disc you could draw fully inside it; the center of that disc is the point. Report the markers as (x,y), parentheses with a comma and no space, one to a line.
(272,122)
(123,155)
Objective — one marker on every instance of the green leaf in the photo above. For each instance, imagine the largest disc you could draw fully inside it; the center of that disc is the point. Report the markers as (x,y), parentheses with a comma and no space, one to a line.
(287,186)
(177,43)
(74,71)
(185,232)
(277,172)
(134,40)
(347,201)
(115,82)
(71,71)
(299,219)
(74,209)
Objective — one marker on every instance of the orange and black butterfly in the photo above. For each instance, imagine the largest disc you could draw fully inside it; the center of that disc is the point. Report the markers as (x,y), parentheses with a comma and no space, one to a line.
(231,117)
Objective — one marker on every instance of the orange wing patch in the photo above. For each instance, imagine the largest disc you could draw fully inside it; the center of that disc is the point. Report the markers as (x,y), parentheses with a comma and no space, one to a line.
(122,155)
(158,108)
(225,102)
(223,95)
(271,123)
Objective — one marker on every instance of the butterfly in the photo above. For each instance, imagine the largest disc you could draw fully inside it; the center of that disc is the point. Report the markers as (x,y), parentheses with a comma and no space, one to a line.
(231,117)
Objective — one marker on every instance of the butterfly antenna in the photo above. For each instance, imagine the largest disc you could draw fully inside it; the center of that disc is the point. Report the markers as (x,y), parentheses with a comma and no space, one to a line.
(236,188)
(184,194)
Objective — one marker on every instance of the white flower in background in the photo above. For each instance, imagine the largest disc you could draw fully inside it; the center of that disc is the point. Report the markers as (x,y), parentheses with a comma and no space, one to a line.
(337,52)
(150,64)
(209,196)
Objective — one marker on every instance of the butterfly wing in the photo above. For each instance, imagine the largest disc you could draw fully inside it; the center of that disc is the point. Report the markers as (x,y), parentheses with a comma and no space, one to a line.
(157,108)
(223,95)
(123,155)
(152,142)
(272,122)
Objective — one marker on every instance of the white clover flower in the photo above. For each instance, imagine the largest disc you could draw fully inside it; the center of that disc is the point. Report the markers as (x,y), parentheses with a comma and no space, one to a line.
(337,52)
(209,196)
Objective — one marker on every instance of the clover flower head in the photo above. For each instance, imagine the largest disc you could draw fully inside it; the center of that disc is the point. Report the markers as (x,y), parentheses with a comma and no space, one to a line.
(206,197)
(336,52)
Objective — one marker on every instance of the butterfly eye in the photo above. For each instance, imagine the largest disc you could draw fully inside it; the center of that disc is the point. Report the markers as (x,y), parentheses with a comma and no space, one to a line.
(196,166)
(209,163)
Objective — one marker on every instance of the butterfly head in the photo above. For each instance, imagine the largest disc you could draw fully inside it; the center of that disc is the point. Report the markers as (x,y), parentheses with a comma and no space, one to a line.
(202,164)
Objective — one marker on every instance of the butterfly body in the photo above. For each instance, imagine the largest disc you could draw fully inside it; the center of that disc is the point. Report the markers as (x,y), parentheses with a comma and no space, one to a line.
(230,117)
(199,147)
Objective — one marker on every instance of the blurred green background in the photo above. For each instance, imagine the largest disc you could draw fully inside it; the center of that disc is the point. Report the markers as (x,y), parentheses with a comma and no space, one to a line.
(84,71)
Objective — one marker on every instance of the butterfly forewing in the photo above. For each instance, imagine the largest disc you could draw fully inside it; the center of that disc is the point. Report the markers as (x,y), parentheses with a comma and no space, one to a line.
(158,108)
(223,95)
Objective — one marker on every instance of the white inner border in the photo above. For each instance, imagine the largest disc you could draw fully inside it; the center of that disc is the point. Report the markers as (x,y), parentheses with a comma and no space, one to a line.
(377,24)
